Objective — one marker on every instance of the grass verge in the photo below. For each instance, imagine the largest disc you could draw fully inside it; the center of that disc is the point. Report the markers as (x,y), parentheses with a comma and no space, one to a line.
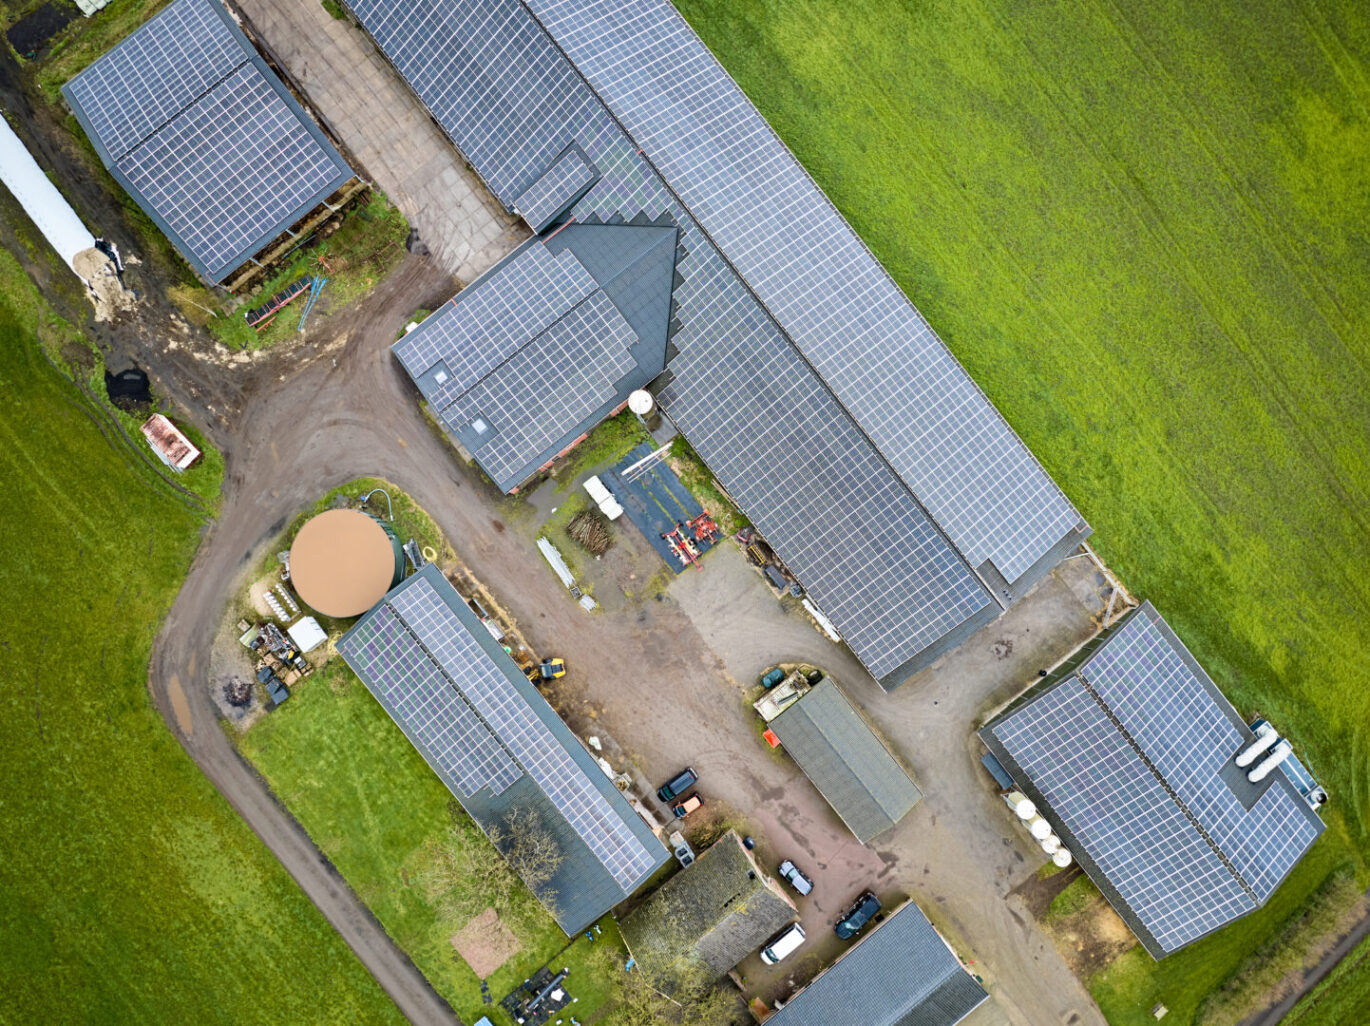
(1274,971)
(364,248)
(130,891)
(607,443)
(1342,998)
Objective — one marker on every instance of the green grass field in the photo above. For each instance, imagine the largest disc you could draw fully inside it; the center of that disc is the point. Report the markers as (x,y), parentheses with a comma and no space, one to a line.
(1141,227)
(372,805)
(130,892)
(1342,998)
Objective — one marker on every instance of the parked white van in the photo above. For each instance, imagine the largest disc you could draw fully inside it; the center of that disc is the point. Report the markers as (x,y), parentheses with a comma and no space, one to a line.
(782,944)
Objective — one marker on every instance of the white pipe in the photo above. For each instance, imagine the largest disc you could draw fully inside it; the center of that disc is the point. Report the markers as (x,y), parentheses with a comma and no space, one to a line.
(1263,768)
(46,207)
(1265,737)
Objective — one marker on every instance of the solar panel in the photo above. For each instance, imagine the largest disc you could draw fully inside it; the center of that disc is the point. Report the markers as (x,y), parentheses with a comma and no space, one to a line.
(429,707)
(525,735)
(154,74)
(1189,737)
(817,278)
(485,72)
(232,171)
(564,374)
(569,177)
(1131,752)
(771,429)
(201,133)
(518,299)
(1141,840)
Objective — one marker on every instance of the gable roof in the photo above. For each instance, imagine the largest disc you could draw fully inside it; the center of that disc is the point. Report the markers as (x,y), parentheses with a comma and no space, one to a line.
(849,765)
(709,916)
(912,516)
(899,974)
(544,346)
(1127,750)
(197,128)
(502,751)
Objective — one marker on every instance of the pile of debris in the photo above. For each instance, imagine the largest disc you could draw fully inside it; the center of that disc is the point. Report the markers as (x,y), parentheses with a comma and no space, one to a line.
(590,529)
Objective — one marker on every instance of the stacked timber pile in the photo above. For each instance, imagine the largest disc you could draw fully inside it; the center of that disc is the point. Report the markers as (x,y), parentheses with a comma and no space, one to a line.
(590,529)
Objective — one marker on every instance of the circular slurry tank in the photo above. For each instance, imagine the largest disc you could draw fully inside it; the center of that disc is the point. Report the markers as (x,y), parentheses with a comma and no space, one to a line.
(344,561)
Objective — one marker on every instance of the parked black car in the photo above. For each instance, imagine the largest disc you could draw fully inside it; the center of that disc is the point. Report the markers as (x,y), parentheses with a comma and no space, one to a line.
(677,785)
(858,915)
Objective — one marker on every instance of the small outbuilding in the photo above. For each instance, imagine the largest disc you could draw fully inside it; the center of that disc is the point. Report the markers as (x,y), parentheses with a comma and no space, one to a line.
(307,634)
(171,446)
(708,917)
(851,767)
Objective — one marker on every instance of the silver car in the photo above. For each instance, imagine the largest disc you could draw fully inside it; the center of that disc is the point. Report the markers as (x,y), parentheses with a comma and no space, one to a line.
(790,873)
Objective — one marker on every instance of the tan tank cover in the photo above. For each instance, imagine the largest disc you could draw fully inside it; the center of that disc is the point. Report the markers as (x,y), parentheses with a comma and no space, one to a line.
(341,563)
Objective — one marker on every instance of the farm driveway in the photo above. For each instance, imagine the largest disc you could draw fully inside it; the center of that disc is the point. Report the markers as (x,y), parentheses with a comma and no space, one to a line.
(388,132)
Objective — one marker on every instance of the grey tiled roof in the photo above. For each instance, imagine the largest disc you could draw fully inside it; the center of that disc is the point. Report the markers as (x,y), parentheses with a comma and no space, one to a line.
(900,974)
(848,764)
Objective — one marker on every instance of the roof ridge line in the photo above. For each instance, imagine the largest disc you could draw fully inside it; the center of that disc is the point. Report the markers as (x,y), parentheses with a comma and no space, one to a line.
(1165,786)
(142,140)
(404,625)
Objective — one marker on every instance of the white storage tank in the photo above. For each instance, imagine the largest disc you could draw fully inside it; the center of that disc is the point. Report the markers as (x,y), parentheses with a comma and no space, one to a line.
(1277,755)
(1265,737)
(1061,858)
(1040,828)
(1050,844)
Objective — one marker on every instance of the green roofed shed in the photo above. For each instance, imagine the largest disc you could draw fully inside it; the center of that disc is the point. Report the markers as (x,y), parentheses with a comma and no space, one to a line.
(847,762)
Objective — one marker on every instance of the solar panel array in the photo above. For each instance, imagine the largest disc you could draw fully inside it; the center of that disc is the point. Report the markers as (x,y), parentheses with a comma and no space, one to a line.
(1187,736)
(517,300)
(157,72)
(816,277)
(774,432)
(560,185)
(564,374)
(435,716)
(1127,751)
(467,61)
(437,681)
(1141,840)
(196,127)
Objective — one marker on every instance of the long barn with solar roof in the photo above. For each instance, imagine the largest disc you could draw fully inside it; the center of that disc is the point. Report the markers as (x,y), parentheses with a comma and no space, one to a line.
(502,751)
(1132,761)
(775,342)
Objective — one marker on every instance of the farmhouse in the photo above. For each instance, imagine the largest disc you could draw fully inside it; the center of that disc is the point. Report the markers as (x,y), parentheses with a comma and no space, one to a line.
(708,917)
(818,396)
(516,768)
(198,129)
(1184,816)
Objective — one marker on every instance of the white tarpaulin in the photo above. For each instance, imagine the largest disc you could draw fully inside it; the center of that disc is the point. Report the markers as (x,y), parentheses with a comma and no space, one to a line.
(306,633)
(40,199)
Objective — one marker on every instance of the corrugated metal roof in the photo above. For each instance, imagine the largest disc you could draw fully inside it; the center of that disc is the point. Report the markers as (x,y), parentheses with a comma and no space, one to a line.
(848,764)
